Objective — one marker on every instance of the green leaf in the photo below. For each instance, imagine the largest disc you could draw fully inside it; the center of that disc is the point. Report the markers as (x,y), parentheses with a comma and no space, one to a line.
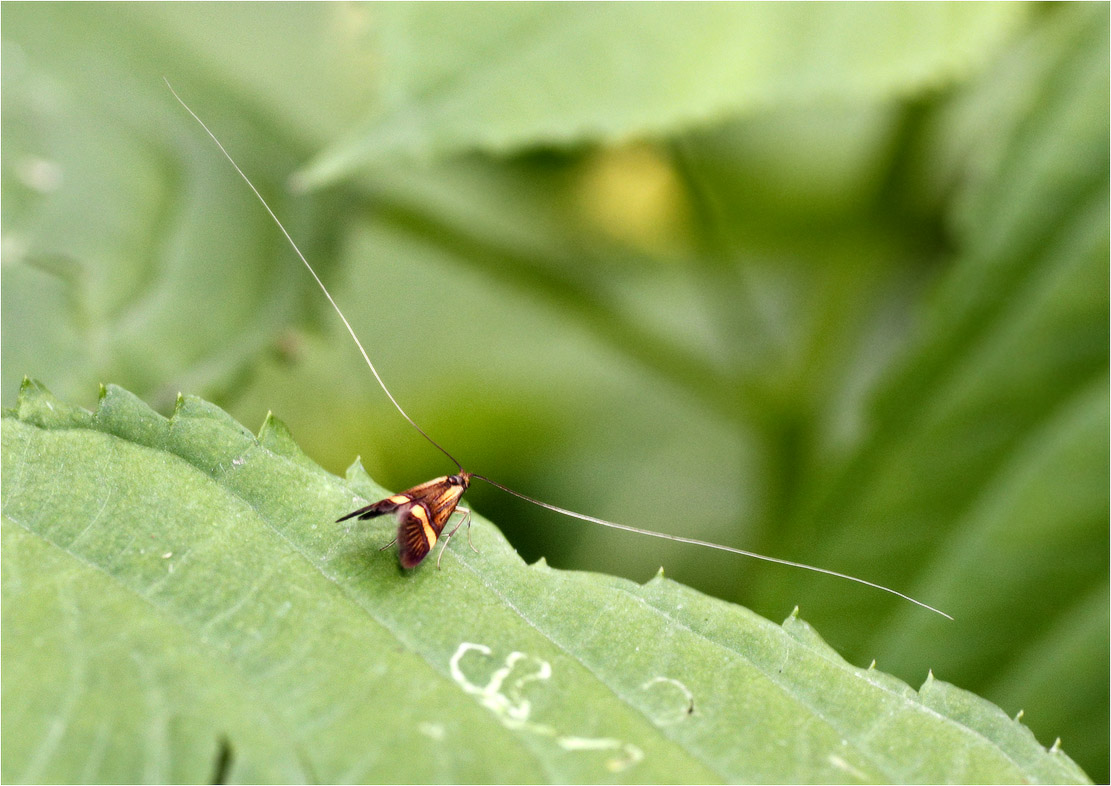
(469,77)
(177,605)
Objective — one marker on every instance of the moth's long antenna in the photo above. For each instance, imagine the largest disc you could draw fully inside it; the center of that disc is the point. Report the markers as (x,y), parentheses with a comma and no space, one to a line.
(708,544)
(327,294)
(554,508)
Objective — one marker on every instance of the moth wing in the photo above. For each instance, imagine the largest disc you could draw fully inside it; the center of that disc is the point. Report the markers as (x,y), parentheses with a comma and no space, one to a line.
(422,512)
(416,535)
(380,508)
(394,503)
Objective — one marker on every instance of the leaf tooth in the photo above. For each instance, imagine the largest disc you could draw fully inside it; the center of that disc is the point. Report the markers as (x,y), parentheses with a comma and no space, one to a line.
(356,472)
(276,437)
(37,405)
(179,404)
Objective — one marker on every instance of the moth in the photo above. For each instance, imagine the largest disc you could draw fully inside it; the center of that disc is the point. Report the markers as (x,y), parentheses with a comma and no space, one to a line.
(422,512)
(425,510)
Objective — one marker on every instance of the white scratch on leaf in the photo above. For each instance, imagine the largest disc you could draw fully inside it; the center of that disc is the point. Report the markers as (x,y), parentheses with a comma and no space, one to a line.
(502,695)
(433,731)
(94,520)
(512,708)
(844,766)
(633,754)
(683,706)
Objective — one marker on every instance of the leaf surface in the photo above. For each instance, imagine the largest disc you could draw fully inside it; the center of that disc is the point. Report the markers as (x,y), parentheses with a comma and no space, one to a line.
(177,603)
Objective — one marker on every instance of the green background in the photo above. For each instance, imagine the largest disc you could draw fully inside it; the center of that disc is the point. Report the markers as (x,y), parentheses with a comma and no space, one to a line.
(828,283)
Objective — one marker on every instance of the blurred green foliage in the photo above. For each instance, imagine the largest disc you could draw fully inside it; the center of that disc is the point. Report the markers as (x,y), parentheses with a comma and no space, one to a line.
(826,282)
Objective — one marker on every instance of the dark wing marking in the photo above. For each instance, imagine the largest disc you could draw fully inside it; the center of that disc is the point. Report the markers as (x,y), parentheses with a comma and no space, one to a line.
(387,505)
(416,536)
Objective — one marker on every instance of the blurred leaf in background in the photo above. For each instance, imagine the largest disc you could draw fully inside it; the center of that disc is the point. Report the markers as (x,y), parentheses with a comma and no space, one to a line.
(827,282)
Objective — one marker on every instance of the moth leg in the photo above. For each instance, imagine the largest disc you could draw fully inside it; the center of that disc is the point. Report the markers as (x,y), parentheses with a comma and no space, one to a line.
(388,544)
(465,520)
(446,538)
